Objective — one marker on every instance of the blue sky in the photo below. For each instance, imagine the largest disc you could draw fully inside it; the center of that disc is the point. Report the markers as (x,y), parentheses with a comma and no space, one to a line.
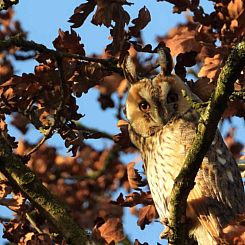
(42,19)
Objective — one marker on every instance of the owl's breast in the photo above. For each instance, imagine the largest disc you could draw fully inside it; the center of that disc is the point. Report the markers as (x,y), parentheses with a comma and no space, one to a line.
(163,156)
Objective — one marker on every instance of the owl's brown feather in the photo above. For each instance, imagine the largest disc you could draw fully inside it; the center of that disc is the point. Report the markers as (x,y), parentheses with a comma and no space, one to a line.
(164,132)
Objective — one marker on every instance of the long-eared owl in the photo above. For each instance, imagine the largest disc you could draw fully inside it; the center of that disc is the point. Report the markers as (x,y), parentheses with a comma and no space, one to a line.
(162,125)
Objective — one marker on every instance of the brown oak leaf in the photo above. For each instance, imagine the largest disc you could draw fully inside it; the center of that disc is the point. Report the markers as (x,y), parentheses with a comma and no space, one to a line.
(69,42)
(108,11)
(181,39)
(133,199)
(211,67)
(81,13)
(134,178)
(235,108)
(235,8)
(112,230)
(122,138)
(144,17)
(146,215)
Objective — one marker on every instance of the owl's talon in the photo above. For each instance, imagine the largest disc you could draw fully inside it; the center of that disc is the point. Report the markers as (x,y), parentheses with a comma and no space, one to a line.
(165,233)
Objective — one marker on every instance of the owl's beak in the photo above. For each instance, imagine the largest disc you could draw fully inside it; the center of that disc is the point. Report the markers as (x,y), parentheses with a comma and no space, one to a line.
(161,114)
(158,114)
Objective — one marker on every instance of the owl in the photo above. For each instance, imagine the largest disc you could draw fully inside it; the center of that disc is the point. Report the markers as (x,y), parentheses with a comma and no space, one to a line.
(162,125)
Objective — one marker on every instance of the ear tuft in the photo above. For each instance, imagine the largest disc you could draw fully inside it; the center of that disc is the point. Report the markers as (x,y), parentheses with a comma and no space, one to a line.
(129,70)
(165,59)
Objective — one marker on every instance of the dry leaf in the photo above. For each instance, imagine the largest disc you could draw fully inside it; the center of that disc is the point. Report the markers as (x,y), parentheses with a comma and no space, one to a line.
(235,8)
(181,40)
(211,67)
(69,42)
(112,230)
(144,17)
(146,215)
(81,13)
(134,178)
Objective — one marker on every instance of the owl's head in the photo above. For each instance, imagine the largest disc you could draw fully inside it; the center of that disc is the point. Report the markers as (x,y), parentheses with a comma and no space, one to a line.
(152,103)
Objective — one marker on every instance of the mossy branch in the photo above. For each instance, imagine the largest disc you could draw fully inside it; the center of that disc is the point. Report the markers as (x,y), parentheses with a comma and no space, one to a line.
(24,180)
(206,130)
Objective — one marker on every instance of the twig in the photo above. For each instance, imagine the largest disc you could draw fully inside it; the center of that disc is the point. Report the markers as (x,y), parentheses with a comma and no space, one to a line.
(30,218)
(92,132)
(33,223)
(41,142)
(241,165)
(62,101)
(206,130)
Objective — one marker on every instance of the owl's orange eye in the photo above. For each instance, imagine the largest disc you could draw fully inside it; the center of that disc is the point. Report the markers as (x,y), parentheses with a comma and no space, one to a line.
(144,106)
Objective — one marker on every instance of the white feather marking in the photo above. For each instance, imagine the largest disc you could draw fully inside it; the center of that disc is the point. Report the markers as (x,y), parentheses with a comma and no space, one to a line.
(229,174)
(219,151)
(221,160)
(214,141)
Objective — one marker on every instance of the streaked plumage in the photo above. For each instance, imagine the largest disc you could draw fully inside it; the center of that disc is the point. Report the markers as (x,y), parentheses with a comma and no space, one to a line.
(162,126)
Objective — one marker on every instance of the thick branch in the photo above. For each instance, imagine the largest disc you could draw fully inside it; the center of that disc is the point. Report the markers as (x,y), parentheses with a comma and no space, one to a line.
(22,178)
(207,127)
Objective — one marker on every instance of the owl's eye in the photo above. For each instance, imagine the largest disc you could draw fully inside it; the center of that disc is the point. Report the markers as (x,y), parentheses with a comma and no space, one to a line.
(144,106)
(172,97)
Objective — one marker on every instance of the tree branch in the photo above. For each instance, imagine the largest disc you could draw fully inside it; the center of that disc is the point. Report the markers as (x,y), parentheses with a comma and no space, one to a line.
(24,180)
(25,45)
(206,130)
(92,133)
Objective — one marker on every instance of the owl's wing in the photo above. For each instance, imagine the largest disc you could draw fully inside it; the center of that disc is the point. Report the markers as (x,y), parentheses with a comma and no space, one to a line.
(218,195)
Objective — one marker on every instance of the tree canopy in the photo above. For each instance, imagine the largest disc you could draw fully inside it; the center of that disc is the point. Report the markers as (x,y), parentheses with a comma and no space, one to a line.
(65,199)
